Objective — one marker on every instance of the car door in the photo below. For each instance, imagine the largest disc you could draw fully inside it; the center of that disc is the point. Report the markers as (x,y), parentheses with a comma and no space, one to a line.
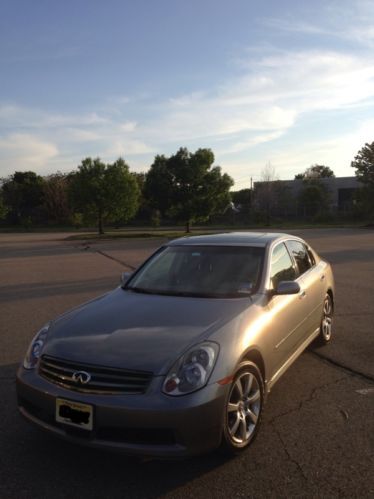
(286,329)
(312,278)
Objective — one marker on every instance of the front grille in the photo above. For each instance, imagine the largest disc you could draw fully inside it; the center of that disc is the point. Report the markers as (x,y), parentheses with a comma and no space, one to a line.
(105,380)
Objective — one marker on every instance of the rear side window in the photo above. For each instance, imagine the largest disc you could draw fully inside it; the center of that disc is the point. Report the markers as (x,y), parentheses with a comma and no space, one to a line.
(301,255)
(281,266)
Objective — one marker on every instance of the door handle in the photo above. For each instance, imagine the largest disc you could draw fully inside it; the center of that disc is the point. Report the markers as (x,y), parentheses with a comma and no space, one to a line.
(322,278)
(302,294)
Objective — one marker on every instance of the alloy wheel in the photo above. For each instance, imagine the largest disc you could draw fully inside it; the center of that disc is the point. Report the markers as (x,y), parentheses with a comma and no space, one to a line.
(326,324)
(243,408)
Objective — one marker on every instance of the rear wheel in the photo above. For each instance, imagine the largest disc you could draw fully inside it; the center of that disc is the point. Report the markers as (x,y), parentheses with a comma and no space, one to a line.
(243,408)
(325,330)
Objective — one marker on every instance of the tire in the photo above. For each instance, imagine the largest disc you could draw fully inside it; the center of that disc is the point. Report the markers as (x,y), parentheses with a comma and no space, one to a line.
(325,329)
(243,409)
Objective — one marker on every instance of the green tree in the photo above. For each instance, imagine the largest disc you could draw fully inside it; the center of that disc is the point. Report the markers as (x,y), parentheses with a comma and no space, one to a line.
(158,187)
(364,164)
(144,211)
(103,191)
(23,196)
(314,198)
(265,193)
(3,208)
(315,171)
(187,187)
(56,199)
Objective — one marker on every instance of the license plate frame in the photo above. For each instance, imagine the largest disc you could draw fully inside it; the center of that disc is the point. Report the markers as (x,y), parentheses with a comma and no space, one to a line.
(75,414)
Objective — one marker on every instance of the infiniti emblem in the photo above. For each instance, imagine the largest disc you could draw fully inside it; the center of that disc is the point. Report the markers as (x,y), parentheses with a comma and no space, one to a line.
(81,377)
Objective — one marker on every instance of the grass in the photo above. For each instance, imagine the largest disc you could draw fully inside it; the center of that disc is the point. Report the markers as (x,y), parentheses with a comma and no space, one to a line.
(168,233)
(135,234)
(175,232)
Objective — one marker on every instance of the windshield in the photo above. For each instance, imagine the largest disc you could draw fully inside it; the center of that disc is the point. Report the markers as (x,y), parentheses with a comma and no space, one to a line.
(206,271)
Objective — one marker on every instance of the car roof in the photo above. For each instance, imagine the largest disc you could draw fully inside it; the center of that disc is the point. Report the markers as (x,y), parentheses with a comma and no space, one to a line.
(259,239)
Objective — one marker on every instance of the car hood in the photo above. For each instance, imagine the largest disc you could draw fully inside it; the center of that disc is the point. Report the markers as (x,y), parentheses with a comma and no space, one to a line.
(138,331)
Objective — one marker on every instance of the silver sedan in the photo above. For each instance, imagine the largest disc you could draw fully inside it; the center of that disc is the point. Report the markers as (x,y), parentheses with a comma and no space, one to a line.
(179,359)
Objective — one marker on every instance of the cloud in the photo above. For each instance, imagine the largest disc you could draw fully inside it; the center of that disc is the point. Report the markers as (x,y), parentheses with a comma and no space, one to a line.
(128,126)
(266,101)
(25,117)
(246,144)
(80,135)
(126,147)
(22,152)
(34,136)
(272,95)
(339,20)
(271,92)
(288,160)
(337,152)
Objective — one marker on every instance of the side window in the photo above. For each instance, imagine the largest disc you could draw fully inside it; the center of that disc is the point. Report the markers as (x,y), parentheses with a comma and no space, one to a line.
(281,266)
(311,257)
(301,255)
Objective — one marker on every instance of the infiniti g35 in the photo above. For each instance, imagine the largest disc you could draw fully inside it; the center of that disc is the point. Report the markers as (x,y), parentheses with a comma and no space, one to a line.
(179,359)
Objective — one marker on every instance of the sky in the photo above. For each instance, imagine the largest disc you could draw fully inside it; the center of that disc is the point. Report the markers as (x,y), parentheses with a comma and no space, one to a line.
(284,82)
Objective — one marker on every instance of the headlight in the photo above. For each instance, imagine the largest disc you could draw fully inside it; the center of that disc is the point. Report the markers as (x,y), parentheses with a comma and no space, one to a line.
(191,371)
(35,349)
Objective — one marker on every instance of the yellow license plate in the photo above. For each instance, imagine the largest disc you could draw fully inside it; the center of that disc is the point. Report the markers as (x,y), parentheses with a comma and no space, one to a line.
(74,414)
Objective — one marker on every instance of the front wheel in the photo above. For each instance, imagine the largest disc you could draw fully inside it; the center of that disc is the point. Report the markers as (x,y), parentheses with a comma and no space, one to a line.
(243,408)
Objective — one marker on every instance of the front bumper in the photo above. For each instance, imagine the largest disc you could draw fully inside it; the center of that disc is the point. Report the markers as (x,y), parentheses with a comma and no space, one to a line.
(152,424)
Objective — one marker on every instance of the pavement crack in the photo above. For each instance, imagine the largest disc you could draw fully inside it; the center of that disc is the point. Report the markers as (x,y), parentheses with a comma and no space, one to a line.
(344,367)
(317,388)
(290,458)
(87,247)
(124,264)
(310,397)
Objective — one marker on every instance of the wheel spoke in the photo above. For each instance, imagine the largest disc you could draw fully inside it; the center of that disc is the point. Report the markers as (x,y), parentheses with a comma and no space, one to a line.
(252,416)
(254,397)
(232,407)
(248,381)
(239,387)
(235,426)
(327,324)
(243,429)
(327,307)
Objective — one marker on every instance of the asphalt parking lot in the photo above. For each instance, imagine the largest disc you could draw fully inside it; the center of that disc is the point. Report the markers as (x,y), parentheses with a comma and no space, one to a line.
(317,437)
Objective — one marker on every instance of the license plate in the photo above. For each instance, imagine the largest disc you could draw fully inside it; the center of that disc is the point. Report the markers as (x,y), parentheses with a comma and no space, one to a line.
(74,414)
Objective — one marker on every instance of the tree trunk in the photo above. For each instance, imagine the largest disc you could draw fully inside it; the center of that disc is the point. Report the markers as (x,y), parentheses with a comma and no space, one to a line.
(100,221)
(188,226)
(268,216)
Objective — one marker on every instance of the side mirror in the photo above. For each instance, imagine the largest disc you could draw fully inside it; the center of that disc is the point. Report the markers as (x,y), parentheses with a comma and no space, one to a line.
(287,288)
(125,276)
